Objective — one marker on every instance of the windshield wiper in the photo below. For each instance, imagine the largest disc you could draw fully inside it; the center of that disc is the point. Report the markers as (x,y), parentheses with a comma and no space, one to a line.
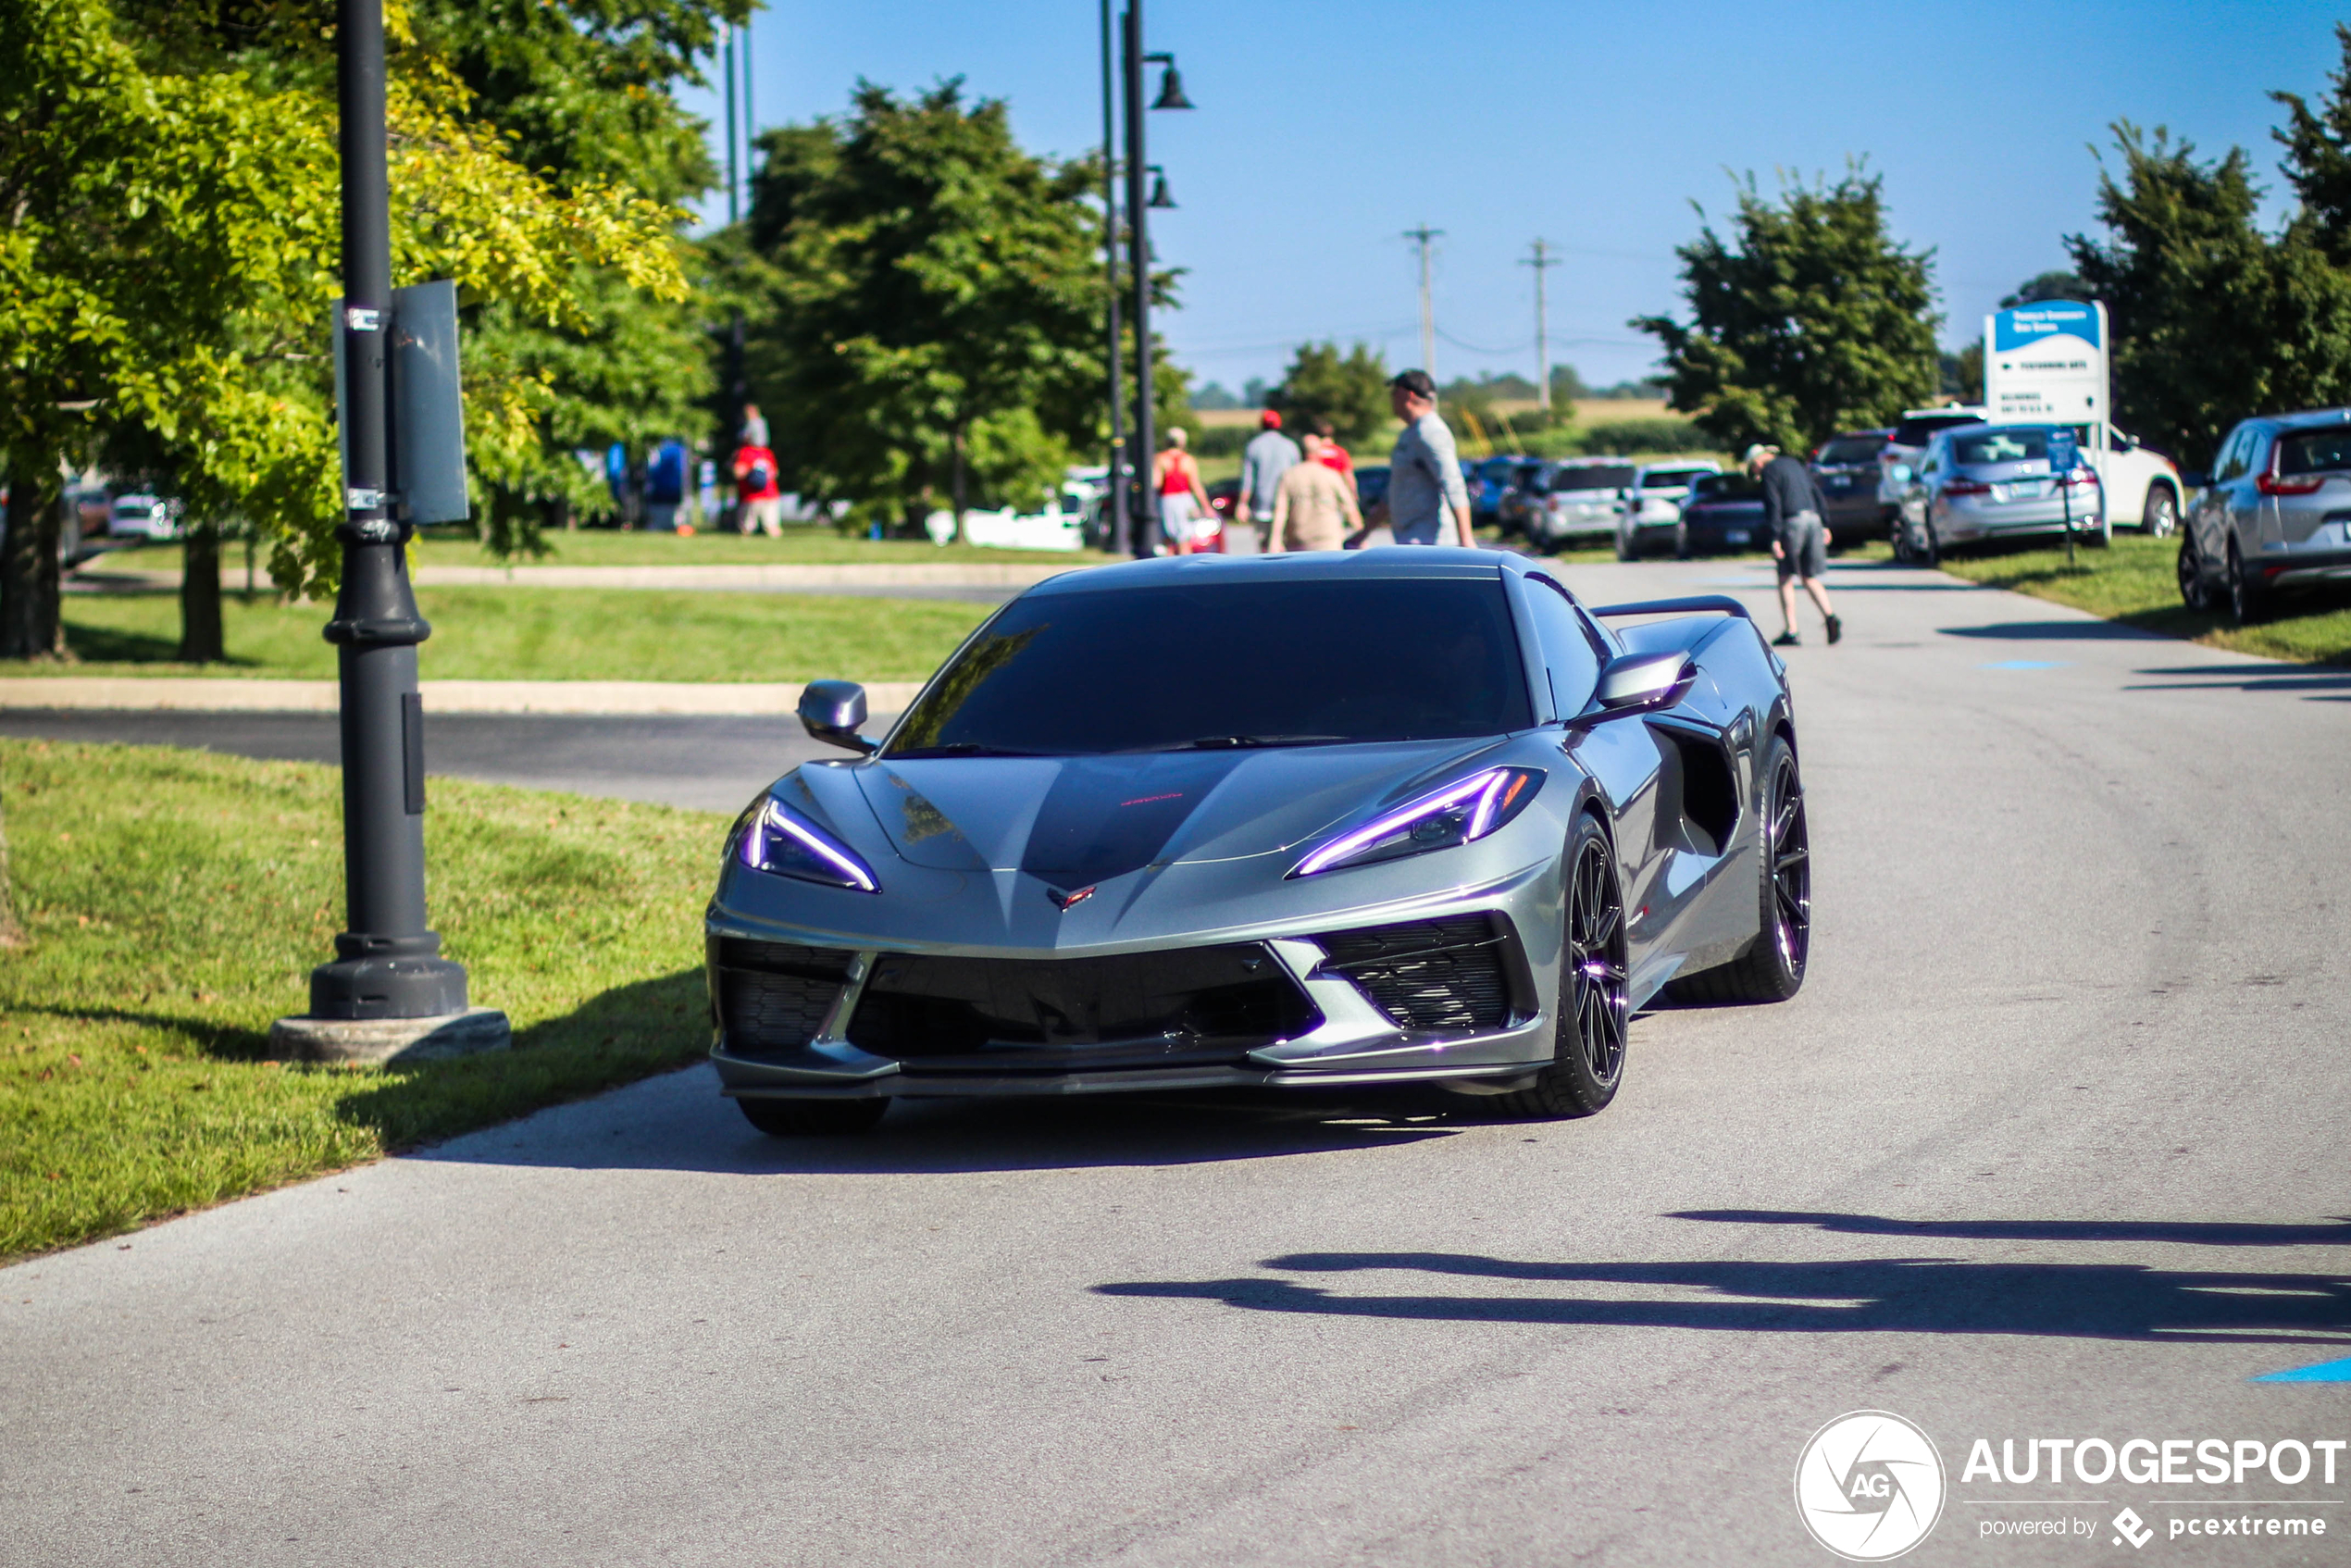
(1230,742)
(961,749)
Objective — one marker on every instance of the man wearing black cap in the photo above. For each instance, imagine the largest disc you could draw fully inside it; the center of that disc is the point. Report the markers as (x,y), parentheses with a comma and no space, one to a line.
(1427,502)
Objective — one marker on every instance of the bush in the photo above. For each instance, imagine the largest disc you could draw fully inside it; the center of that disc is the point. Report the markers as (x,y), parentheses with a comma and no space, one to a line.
(1647,435)
(1222,441)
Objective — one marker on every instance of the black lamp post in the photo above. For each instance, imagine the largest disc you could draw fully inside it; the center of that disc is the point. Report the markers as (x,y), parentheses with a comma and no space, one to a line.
(1118,518)
(1138,201)
(388,990)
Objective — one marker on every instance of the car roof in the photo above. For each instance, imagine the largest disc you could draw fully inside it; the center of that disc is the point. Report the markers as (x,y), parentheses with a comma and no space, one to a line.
(1317,566)
(2304,418)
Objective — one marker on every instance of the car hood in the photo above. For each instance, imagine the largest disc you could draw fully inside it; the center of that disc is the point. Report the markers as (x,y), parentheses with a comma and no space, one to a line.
(1081,820)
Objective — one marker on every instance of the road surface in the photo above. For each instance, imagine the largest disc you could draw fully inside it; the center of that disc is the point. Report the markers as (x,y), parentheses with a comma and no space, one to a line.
(2051,1146)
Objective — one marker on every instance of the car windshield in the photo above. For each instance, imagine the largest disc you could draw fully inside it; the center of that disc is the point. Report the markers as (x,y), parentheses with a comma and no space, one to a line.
(1669,478)
(2316,451)
(2001,446)
(1851,449)
(1594,478)
(1919,431)
(1721,486)
(1079,673)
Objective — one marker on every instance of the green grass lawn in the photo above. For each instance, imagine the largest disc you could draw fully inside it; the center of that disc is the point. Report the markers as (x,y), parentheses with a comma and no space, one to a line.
(2135,582)
(610,547)
(176,902)
(546,634)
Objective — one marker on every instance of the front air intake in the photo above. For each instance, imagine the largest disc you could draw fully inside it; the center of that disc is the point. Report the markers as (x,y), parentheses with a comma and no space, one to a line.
(1443,975)
(774,997)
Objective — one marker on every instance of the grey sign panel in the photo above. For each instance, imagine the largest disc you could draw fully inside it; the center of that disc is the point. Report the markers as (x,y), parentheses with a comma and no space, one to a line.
(427,446)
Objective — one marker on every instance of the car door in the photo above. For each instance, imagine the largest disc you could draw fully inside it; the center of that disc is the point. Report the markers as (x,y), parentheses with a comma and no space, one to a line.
(2207,521)
(2243,498)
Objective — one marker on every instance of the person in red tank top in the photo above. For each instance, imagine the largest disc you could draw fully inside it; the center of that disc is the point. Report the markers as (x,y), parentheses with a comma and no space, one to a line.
(1184,513)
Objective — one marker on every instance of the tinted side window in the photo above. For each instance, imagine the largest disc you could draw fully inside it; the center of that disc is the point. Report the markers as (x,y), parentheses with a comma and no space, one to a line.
(2230,463)
(1567,648)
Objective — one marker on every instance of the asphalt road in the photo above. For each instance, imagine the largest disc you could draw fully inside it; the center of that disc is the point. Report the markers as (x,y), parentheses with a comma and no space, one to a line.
(2051,1146)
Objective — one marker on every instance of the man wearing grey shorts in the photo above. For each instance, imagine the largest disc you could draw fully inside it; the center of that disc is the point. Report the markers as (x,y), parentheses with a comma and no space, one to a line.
(1792,507)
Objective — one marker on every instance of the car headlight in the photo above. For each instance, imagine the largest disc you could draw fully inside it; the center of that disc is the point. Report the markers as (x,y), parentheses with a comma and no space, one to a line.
(1458,814)
(780,841)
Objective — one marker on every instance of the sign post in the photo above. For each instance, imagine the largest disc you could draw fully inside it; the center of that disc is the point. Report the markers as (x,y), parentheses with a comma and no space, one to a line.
(2045,363)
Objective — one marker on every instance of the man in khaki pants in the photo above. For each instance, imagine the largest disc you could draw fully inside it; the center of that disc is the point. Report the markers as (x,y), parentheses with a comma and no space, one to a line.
(1314,506)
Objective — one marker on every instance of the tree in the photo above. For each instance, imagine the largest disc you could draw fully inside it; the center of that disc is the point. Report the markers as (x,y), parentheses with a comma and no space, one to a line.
(168,201)
(1350,389)
(1808,319)
(2187,279)
(931,302)
(2047,286)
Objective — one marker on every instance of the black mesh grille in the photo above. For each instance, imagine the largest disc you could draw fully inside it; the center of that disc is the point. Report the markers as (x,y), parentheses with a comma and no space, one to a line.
(1428,974)
(773,996)
(1183,1007)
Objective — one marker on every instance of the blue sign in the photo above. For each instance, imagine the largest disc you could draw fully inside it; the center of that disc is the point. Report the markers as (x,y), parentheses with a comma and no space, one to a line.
(2027,324)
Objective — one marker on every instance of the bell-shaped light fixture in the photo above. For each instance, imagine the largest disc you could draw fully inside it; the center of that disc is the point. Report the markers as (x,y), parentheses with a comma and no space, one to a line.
(1171,91)
(1160,198)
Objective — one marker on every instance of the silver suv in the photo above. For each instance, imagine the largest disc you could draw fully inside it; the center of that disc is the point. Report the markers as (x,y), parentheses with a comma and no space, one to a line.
(2275,514)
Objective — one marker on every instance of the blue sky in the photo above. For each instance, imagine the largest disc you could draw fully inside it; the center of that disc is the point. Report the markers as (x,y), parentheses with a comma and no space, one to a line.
(1326,130)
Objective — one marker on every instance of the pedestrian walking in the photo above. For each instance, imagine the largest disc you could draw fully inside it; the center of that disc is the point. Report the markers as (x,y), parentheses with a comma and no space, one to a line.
(1268,456)
(1336,456)
(1427,502)
(1184,516)
(665,487)
(1793,507)
(1314,508)
(759,505)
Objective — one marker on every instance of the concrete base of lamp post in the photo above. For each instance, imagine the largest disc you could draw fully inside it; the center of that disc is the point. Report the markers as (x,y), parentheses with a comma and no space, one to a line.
(390,1039)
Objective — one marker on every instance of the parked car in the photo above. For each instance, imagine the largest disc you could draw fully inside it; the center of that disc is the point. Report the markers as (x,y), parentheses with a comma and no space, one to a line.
(1978,482)
(1523,494)
(1723,512)
(1655,505)
(1846,468)
(1488,481)
(2142,487)
(2275,514)
(1908,444)
(1583,497)
(1371,485)
(142,516)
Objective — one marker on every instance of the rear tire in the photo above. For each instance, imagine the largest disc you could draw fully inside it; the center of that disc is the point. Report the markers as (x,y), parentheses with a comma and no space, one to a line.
(1772,969)
(1930,551)
(2196,593)
(1587,1050)
(813,1118)
(2247,603)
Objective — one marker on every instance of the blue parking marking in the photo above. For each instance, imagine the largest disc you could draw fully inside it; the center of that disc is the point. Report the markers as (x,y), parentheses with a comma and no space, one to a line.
(2325,1371)
(2030,664)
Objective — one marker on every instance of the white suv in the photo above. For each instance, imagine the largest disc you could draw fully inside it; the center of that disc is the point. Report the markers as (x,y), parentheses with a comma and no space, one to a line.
(1654,505)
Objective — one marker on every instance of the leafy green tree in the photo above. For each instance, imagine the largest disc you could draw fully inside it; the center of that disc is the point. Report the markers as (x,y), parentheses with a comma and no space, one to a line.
(2188,283)
(929,302)
(1349,389)
(1809,318)
(2060,285)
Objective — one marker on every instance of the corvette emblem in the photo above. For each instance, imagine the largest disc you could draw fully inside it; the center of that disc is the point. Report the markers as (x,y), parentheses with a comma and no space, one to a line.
(1063,900)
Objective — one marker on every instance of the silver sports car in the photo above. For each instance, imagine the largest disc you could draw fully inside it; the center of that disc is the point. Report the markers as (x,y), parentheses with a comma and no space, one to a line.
(1425,818)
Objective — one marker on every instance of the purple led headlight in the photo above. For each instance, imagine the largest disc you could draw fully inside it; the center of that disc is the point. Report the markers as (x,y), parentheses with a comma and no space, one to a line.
(778,841)
(1458,814)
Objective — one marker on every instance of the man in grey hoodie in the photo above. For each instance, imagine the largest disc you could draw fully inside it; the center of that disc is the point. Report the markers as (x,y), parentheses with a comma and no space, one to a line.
(1265,460)
(1793,506)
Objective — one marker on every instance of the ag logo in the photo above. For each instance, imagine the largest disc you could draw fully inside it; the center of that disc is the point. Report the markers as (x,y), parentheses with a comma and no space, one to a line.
(1869,1486)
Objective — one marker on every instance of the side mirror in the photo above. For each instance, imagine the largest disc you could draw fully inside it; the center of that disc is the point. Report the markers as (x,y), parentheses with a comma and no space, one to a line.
(1903,474)
(1643,681)
(831,712)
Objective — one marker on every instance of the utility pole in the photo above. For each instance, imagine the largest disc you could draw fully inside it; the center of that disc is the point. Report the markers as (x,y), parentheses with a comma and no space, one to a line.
(1121,524)
(734,202)
(1426,237)
(1542,261)
(387,991)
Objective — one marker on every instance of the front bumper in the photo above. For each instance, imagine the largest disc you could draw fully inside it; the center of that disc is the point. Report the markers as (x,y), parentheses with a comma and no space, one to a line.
(1459,996)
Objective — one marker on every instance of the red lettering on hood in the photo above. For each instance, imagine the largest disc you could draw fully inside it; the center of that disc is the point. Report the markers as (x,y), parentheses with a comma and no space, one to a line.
(1146,799)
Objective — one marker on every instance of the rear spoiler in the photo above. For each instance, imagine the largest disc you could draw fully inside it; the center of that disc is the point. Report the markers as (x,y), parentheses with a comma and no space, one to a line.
(1720,602)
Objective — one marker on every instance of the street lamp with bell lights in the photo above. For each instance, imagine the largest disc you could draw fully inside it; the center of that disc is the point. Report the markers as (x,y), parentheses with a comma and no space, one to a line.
(1131,500)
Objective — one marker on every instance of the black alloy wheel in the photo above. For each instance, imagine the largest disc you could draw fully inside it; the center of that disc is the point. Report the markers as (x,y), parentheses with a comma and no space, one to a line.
(1588,1052)
(2195,592)
(812,1118)
(2160,517)
(2247,603)
(1772,968)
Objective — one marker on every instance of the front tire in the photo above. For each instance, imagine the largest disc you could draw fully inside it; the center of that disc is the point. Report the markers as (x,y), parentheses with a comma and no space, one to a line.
(1587,1051)
(1627,545)
(1772,969)
(812,1118)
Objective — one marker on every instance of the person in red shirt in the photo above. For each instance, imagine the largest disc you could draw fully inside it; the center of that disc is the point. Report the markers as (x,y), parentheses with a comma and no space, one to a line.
(1184,513)
(760,504)
(1333,456)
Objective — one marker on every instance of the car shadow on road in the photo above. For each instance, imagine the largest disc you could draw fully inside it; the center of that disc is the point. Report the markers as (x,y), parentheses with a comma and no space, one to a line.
(2335,1231)
(1847,1296)
(2245,678)
(2057,631)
